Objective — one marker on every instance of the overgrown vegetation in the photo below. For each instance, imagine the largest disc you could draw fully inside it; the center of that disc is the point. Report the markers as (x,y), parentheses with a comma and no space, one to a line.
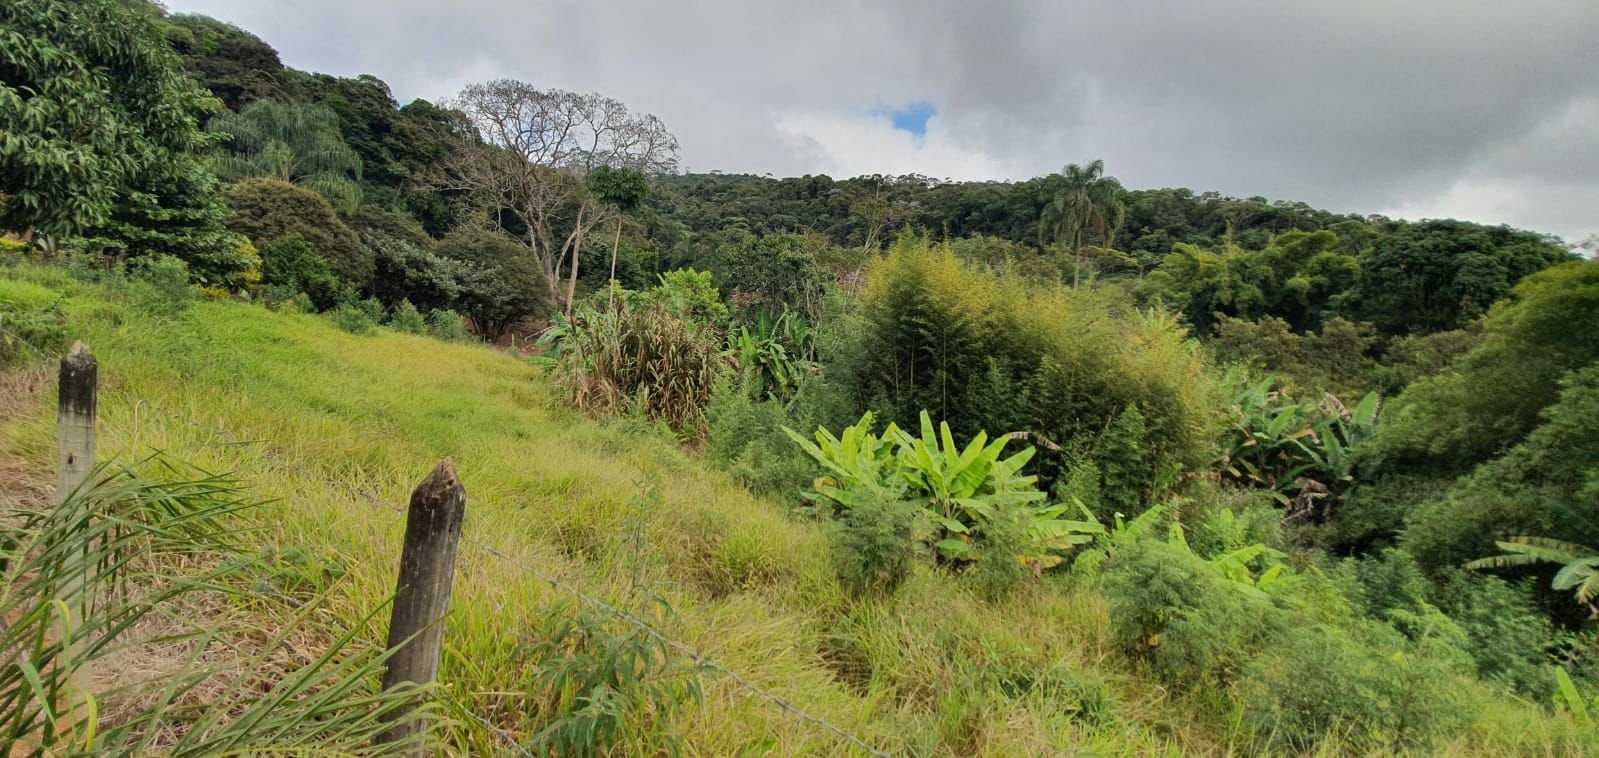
(82,577)
(1098,469)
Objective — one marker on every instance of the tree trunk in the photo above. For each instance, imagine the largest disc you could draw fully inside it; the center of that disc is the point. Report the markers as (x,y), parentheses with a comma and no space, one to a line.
(536,238)
(577,249)
(616,244)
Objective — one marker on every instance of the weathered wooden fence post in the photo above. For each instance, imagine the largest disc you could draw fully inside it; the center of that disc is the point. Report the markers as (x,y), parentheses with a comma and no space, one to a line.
(76,387)
(422,594)
(75,419)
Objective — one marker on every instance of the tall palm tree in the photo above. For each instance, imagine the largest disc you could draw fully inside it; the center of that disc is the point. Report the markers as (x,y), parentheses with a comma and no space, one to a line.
(1087,201)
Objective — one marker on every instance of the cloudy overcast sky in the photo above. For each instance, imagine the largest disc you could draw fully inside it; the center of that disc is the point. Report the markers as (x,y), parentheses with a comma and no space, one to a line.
(1478,109)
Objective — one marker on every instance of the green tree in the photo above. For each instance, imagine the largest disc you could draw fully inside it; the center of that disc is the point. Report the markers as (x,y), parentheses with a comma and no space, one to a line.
(268,209)
(1438,275)
(173,208)
(770,273)
(292,142)
(406,266)
(232,63)
(1490,399)
(92,98)
(500,281)
(1298,277)
(623,190)
(1086,201)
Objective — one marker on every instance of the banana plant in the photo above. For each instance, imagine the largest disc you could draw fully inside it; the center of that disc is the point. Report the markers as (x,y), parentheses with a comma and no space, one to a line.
(961,489)
(1337,434)
(856,462)
(1292,448)
(773,355)
(1236,566)
(1056,536)
(1264,445)
(1569,699)
(969,482)
(1579,565)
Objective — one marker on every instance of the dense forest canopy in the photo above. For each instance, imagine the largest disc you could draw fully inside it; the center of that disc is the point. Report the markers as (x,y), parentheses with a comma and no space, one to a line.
(1199,409)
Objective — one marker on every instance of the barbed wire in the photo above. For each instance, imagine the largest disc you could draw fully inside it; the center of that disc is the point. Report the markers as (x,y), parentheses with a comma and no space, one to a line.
(700,659)
(504,734)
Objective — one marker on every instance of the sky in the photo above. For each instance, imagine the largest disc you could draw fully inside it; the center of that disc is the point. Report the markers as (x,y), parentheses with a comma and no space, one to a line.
(1475,109)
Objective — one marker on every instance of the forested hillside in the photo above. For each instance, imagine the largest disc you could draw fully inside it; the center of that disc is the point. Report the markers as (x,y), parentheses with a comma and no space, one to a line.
(941,467)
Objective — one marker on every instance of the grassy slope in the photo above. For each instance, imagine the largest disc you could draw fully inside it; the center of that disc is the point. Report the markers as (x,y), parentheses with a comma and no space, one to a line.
(335,429)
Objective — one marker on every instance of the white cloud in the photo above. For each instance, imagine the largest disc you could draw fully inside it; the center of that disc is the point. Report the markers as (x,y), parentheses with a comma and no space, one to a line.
(1547,179)
(1468,108)
(852,143)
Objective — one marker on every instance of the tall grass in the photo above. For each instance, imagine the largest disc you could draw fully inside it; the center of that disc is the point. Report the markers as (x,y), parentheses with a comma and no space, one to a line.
(639,358)
(79,581)
(332,430)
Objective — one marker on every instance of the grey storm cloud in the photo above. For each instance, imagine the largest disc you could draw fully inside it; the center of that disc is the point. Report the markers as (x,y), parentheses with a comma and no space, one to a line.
(1465,108)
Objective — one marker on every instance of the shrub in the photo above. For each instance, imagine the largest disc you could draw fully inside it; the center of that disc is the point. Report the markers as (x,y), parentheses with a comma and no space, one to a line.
(1176,611)
(12,249)
(987,352)
(406,318)
(1385,584)
(1126,468)
(289,265)
(744,436)
(448,325)
(268,209)
(874,545)
(289,302)
(1507,636)
(690,294)
(359,317)
(1371,515)
(1367,690)
(1543,486)
(1237,519)
(638,358)
(500,283)
(159,285)
(606,682)
(1009,548)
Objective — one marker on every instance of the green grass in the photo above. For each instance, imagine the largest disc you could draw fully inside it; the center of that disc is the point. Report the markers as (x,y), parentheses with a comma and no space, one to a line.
(335,429)
(22,295)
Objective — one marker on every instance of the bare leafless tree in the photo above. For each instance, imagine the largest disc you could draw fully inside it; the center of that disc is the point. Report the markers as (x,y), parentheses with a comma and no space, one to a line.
(533,150)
